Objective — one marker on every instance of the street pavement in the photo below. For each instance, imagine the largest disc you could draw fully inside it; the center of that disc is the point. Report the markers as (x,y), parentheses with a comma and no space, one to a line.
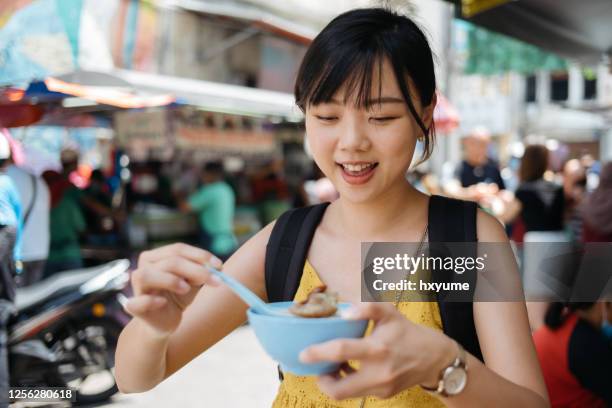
(235,372)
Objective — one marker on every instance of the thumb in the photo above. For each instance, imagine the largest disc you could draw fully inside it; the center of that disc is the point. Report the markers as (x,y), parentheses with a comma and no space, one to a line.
(140,305)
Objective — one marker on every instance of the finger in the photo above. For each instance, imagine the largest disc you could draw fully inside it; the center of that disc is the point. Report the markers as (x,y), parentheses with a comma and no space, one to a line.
(155,279)
(342,371)
(143,304)
(195,254)
(358,384)
(194,273)
(376,311)
(342,350)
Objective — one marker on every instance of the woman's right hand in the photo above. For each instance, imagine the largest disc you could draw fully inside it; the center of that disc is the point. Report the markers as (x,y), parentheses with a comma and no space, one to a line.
(166,281)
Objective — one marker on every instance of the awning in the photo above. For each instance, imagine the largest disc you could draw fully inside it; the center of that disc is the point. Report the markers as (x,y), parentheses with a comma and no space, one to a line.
(54,89)
(253,15)
(59,100)
(575,29)
(565,124)
(217,97)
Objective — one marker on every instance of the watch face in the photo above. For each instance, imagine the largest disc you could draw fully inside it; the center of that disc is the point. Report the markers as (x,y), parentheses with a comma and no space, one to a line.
(454,380)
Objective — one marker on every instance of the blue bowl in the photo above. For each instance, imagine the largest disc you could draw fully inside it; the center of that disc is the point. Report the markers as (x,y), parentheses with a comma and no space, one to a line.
(283,338)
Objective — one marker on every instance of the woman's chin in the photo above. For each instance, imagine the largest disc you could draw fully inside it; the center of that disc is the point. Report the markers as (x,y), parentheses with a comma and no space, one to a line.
(360,195)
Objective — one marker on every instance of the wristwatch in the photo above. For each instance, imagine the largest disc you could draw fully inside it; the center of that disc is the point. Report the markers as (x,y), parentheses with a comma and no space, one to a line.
(453,378)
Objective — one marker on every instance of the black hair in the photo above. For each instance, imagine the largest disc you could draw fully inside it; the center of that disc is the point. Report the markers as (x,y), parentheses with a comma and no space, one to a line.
(557,312)
(98,175)
(213,167)
(349,47)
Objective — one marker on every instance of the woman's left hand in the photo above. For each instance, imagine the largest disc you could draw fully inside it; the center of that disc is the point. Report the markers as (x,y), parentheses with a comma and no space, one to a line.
(397,355)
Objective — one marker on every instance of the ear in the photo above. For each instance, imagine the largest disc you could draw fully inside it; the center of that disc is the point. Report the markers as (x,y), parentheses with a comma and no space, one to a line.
(429,111)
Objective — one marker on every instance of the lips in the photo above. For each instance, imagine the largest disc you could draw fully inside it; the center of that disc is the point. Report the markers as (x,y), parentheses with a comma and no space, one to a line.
(357,172)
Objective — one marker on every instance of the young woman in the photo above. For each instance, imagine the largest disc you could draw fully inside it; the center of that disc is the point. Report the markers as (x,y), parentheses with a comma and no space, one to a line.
(542,202)
(367,89)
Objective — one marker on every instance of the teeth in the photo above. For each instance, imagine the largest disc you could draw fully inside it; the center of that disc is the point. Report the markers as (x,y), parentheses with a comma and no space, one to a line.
(357,167)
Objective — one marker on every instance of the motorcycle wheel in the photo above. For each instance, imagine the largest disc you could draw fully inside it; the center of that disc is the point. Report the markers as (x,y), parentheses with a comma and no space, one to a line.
(99,337)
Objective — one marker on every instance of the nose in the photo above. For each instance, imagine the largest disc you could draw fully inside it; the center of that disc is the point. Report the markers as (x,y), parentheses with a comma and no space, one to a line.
(354,135)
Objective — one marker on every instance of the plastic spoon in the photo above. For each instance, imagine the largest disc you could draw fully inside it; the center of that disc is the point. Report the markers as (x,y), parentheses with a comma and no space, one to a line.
(250,298)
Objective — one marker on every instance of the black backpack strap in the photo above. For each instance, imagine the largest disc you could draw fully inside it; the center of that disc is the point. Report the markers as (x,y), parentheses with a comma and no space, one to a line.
(452,220)
(287,250)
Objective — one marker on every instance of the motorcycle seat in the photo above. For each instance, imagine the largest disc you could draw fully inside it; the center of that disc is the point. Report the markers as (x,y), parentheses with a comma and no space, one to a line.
(56,284)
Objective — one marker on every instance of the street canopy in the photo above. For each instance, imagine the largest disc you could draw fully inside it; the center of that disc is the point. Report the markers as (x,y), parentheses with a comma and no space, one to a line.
(575,29)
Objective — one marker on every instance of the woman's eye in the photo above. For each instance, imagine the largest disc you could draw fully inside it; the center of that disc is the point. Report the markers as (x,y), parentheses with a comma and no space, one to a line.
(383,119)
(326,118)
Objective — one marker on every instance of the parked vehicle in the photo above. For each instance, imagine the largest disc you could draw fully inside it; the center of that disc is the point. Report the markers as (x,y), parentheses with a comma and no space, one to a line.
(65,331)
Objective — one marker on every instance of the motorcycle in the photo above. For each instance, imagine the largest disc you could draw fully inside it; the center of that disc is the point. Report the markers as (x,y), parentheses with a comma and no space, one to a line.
(65,329)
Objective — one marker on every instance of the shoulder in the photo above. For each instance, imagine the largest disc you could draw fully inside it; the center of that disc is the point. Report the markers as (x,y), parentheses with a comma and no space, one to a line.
(222,187)
(202,191)
(227,188)
(489,228)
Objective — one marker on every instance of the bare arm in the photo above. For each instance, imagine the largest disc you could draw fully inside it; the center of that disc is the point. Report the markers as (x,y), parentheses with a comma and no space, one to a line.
(511,376)
(171,328)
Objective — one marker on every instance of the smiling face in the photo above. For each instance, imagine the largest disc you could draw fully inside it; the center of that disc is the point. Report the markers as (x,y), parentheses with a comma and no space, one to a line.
(366,151)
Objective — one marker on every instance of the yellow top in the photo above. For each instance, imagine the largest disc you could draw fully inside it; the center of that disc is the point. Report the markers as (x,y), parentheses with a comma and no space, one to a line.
(303,392)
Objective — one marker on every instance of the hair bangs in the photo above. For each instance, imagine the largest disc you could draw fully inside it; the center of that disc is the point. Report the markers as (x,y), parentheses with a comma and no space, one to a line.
(353,73)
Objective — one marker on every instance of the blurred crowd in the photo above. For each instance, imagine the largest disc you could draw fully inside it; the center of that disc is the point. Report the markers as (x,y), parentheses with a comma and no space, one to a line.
(53,216)
(528,194)
(45,221)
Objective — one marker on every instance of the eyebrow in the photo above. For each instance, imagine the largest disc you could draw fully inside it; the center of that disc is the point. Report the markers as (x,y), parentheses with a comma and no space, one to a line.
(377,101)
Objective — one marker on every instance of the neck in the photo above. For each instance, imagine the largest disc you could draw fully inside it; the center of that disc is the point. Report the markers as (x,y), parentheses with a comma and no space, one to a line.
(476,162)
(383,214)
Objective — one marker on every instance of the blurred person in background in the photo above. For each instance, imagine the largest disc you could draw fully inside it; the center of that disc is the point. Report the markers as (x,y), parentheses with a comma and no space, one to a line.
(478,177)
(97,206)
(575,353)
(10,236)
(477,166)
(150,184)
(539,206)
(424,181)
(319,188)
(596,209)
(215,204)
(35,200)
(270,192)
(541,202)
(574,190)
(66,219)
